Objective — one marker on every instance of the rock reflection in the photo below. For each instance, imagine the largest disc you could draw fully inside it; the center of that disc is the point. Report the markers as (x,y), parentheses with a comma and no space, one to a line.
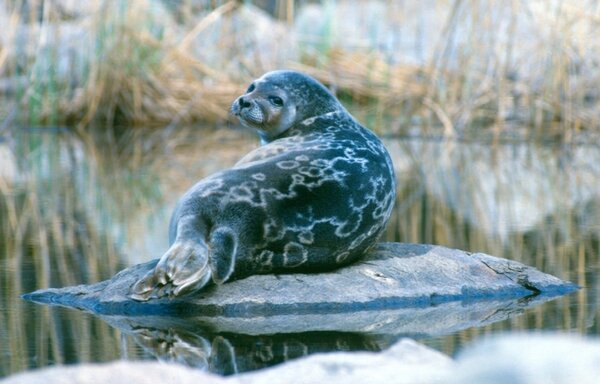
(174,345)
(229,345)
(230,353)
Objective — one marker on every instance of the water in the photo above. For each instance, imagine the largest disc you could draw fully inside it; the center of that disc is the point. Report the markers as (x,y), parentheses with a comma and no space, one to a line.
(76,210)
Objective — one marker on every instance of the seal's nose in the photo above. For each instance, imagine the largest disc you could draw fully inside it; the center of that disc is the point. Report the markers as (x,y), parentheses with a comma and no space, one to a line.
(243,103)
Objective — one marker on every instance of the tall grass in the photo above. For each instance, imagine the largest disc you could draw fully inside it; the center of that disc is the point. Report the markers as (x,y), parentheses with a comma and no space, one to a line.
(451,67)
(64,221)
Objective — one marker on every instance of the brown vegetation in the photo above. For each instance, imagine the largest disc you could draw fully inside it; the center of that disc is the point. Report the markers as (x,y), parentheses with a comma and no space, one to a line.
(485,64)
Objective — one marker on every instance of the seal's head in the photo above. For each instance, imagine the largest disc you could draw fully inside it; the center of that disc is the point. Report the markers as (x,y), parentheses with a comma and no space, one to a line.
(280,99)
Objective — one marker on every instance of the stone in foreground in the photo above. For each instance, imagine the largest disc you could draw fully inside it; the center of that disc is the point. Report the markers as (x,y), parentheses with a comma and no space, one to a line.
(549,358)
(393,275)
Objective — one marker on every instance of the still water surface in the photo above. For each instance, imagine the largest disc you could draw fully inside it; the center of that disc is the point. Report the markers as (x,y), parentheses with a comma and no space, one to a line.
(76,210)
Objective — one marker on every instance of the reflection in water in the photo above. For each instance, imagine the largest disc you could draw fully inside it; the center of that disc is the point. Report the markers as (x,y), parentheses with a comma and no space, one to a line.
(73,211)
(506,188)
(228,345)
(228,354)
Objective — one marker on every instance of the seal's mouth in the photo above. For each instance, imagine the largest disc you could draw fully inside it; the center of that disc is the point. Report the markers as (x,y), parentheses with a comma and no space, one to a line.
(248,112)
(255,114)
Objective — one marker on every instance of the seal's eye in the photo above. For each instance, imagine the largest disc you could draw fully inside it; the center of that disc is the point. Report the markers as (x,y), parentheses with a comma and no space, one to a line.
(251,88)
(276,101)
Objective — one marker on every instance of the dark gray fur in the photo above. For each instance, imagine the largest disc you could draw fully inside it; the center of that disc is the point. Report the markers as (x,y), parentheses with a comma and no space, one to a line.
(315,197)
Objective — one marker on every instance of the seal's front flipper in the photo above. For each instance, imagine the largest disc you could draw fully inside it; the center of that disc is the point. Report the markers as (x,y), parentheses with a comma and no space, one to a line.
(183,268)
(223,248)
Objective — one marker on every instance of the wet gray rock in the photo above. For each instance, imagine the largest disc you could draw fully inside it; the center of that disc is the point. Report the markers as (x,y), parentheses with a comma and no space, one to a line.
(405,362)
(514,358)
(121,372)
(398,290)
(393,275)
(418,322)
(518,358)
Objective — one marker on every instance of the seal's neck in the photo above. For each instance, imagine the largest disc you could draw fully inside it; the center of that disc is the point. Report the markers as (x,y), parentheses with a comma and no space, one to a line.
(310,120)
(264,138)
(301,127)
(298,128)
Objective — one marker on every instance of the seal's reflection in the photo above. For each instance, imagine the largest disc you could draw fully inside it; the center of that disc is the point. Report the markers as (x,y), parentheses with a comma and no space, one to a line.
(229,353)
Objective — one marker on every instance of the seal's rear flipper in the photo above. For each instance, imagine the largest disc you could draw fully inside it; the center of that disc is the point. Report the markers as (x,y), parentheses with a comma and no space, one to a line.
(182,269)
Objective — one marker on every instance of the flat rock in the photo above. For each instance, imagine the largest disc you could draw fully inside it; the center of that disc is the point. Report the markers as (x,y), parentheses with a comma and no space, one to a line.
(418,322)
(398,290)
(392,276)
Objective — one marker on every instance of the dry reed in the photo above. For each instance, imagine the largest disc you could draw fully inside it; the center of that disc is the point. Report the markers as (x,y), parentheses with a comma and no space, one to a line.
(145,67)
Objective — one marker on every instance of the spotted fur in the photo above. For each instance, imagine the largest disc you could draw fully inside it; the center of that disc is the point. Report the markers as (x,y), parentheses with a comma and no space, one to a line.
(314,197)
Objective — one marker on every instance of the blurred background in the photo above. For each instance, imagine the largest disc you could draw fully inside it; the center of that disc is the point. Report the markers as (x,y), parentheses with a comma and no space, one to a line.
(451,67)
(111,109)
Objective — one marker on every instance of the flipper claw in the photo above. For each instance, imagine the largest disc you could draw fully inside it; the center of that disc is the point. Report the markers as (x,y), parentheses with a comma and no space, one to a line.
(182,268)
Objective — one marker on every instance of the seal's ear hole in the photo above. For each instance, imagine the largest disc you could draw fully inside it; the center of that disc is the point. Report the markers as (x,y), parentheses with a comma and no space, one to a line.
(221,258)
(251,88)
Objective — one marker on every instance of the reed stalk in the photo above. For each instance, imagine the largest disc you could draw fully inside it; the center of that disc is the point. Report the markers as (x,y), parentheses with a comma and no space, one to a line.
(141,66)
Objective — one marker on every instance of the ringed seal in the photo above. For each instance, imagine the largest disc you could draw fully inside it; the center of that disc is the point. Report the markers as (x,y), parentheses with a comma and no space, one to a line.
(315,196)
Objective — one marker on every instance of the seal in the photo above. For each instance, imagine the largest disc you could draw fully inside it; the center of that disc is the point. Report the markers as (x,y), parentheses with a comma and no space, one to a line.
(314,197)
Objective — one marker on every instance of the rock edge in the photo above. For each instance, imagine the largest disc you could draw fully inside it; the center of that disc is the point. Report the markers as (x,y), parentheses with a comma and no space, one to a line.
(393,275)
